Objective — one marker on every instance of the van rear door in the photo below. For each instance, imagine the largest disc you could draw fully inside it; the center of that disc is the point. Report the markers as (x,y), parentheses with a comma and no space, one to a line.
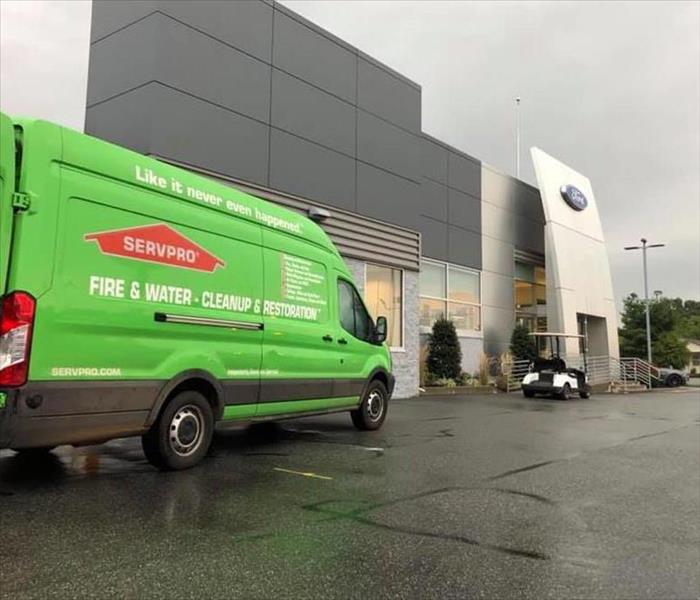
(7,186)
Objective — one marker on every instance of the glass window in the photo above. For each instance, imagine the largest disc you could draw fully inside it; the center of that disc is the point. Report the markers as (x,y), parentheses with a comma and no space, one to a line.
(464,286)
(524,271)
(540,294)
(540,276)
(524,295)
(353,315)
(346,303)
(464,316)
(432,280)
(363,322)
(431,310)
(384,298)
(452,292)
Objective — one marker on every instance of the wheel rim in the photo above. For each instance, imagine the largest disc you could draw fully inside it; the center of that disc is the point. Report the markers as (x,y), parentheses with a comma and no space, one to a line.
(186,430)
(567,391)
(375,405)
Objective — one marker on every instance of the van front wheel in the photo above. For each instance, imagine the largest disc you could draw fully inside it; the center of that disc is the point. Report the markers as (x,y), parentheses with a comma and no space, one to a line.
(371,413)
(181,435)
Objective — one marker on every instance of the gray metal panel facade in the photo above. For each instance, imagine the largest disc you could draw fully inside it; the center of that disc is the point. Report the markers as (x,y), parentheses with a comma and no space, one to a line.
(252,91)
(391,245)
(311,113)
(313,57)
(512,222)
(295,164)
(387,96)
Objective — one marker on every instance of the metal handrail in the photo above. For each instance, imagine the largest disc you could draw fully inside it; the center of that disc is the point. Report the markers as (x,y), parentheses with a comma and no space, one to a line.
(601,370)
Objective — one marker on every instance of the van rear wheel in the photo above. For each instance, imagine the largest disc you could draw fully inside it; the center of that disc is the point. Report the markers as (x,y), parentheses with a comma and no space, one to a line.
(371,413)
(182,434)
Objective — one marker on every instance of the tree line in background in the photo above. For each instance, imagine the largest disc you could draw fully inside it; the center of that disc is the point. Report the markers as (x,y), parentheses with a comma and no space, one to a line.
(673,321)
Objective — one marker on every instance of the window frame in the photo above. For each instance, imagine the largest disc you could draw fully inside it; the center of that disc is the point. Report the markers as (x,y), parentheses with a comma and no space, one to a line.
(402,347)
(446,267)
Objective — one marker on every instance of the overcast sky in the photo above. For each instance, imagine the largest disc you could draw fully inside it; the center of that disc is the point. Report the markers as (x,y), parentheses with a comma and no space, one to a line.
(612,89)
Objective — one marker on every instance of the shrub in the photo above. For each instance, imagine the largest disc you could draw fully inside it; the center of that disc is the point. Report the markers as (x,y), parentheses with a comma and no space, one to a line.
(444,351)
(522,344)
(484,367)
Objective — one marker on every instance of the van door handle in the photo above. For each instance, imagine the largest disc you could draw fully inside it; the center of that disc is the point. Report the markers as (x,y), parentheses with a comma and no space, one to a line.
(342,341)
(327,338)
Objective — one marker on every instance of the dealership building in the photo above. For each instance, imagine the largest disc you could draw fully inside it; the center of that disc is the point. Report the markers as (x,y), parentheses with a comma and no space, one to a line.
(256,96)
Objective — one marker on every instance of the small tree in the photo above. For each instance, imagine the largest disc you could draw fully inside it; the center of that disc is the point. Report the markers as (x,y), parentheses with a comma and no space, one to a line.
(522,344)
(444,351)
(670,351)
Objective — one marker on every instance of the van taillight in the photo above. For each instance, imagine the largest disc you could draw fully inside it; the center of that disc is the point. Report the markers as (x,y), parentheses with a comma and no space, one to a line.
(16,322)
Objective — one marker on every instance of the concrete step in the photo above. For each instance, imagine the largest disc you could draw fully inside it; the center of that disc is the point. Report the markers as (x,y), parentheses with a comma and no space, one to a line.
(625,387)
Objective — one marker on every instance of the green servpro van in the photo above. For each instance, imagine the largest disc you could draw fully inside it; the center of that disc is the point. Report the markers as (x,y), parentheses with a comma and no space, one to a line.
(138,298)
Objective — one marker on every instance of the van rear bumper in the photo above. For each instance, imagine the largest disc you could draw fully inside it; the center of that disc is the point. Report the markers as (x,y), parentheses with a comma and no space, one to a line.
(55,413)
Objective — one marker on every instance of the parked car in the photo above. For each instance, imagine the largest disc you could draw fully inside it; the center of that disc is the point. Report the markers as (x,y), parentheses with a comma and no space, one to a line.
(671,377)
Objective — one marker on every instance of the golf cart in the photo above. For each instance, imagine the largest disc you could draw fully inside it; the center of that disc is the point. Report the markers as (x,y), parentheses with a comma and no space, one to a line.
(551,377)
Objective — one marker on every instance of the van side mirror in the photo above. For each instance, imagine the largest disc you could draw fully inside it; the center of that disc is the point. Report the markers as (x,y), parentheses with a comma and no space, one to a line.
(380,330)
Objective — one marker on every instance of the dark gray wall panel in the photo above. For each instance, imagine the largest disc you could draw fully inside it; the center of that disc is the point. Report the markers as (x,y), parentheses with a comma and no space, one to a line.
(464,247)
(387,96)
(433,238)
(161,49)
(313,57)
(245,24)
(307,111)
(110,15)
(123,61)
(464,174)
(126,120)
(195,63)
(383,144)
(386,196)
(306,169)
(527,202)
(434,200)
(529,235)
(198,133)
(464,211)
(433,160)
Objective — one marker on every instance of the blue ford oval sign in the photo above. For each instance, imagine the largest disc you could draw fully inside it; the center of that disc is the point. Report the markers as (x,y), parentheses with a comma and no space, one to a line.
(573,197)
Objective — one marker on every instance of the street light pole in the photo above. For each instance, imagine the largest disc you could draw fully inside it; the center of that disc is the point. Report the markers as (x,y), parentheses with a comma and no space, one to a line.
(644,248)
(517,137)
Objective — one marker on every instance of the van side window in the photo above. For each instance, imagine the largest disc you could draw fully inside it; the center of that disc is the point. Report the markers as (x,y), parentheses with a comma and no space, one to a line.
(354,318)
(363,326)
(346,303)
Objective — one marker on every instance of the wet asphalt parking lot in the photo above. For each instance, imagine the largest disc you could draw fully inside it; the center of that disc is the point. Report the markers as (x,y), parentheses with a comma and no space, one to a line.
(492,496)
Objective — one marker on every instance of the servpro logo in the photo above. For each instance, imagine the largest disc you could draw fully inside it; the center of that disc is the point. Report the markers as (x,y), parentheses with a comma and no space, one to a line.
(157,244)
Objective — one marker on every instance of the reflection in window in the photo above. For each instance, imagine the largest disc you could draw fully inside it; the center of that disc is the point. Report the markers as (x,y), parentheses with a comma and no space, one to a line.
(530,295)
(353,316)
(384,298)
(451,292)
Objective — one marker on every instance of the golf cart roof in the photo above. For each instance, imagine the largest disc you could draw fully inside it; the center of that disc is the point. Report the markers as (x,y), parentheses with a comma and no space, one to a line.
(555,334)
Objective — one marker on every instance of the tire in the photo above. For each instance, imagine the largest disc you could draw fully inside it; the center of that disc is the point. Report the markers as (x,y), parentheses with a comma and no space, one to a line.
(528,394)
(372,412)
(565,392)
(585,393)
(182,434)
(674,380)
